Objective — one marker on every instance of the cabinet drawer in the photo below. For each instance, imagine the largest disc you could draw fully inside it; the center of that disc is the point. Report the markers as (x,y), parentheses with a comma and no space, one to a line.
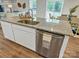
(23,28)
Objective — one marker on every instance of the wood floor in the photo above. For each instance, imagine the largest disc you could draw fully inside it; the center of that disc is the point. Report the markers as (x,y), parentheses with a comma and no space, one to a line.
(72,50)
(10,49)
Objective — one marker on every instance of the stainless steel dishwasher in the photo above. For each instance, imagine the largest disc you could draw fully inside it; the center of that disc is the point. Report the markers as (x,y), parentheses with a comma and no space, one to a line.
(48,44)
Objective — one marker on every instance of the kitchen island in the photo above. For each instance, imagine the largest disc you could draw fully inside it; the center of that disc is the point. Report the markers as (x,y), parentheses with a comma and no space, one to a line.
(48,38)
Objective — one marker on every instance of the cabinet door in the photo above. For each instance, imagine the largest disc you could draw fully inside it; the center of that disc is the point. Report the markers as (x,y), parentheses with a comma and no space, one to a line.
(7,30)
(25,38)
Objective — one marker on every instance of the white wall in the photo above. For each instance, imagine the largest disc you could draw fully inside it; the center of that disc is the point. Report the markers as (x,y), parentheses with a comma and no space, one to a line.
(41,4)
(21,1)
(14,5)
(69,4)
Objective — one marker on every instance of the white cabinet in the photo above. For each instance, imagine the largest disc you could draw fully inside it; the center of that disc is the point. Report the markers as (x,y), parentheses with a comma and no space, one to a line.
(7,30)
(25,36)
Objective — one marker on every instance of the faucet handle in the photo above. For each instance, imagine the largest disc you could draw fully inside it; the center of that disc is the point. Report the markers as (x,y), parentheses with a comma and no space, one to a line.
(27,15)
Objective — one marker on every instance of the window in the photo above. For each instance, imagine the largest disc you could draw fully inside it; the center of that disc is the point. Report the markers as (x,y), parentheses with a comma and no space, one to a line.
(33,6)
(54,7)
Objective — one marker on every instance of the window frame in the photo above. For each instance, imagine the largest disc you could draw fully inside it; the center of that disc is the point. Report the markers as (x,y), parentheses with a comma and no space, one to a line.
(52,12)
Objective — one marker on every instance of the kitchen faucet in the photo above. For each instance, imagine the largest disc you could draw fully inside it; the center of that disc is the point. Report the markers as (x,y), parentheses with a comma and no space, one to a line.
(31,13)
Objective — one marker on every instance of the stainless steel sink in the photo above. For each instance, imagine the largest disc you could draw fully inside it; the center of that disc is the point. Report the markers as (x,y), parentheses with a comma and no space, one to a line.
(29,22)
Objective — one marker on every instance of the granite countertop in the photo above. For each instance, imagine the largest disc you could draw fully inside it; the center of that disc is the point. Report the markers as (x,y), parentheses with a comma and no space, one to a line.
(55,26)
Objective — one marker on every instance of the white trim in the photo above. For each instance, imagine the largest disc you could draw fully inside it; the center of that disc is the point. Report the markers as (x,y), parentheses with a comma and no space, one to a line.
(65,41)
(41,8)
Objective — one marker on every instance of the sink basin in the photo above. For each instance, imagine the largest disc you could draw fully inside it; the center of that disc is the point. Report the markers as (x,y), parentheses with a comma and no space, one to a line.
(29,22)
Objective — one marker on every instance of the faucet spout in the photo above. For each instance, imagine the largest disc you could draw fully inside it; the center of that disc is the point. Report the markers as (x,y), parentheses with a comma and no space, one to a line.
(31,13)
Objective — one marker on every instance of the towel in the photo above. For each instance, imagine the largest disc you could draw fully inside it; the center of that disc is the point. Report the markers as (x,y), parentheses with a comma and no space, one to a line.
(46,40)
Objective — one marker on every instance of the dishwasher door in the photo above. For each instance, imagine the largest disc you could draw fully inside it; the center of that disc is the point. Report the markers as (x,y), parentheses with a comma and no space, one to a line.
(48,44)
